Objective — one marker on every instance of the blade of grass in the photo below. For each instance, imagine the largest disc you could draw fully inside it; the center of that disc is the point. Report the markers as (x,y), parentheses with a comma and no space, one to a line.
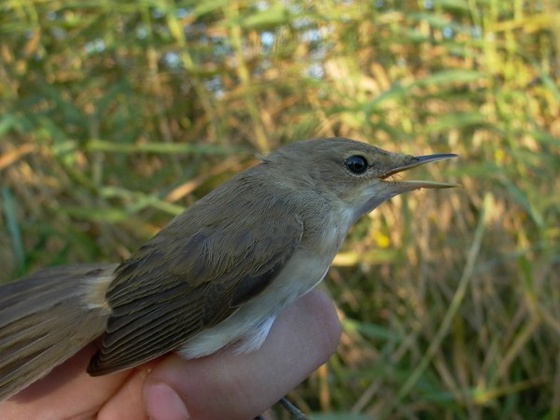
(458,297)
(12,226)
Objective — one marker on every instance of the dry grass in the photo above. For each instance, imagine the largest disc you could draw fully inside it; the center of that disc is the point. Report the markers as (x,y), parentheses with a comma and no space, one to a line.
(114,116)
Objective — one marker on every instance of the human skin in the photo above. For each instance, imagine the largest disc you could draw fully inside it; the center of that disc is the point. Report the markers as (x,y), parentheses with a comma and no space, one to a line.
(224,385)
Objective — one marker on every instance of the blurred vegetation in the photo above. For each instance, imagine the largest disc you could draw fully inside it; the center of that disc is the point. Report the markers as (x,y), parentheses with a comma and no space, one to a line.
(114,116)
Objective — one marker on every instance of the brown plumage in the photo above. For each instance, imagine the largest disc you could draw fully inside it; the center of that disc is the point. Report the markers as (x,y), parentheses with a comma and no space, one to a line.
(216,275)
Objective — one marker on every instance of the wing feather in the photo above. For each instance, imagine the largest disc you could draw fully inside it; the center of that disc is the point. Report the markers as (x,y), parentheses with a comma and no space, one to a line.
(191,277)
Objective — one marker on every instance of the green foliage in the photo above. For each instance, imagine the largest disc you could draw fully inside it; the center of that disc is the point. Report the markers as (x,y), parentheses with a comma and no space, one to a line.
(116,115)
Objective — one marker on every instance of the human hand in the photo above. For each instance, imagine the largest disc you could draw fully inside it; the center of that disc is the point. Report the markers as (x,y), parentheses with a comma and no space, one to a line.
(220,386)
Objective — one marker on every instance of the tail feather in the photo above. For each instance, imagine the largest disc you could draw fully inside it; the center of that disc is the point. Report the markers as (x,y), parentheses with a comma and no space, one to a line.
(45,319)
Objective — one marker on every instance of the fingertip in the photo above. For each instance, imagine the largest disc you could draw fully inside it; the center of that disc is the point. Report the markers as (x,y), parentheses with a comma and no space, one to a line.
(163,403)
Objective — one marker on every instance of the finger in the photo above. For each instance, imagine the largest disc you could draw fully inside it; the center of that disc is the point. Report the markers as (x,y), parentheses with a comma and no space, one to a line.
(127,402)
(242,386)
(67,391)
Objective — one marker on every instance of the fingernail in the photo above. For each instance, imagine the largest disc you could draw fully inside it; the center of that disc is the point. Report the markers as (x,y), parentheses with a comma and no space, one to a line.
(163,403)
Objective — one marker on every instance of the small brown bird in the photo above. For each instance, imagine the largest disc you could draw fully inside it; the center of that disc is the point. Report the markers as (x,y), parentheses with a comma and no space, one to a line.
(217,275)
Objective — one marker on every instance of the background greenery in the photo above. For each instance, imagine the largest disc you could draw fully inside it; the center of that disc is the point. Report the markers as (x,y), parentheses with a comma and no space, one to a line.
(114,116)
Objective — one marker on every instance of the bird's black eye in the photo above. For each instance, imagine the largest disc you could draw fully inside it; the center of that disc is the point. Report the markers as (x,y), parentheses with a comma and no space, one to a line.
(356,164)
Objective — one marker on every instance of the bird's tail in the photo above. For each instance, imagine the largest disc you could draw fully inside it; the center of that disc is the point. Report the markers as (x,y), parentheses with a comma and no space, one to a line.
(47,317)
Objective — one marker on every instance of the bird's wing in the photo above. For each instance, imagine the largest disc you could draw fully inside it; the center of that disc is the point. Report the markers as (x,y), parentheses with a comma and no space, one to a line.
(188,278)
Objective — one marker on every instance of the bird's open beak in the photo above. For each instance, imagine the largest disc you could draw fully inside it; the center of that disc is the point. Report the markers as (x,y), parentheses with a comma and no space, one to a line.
(415,161)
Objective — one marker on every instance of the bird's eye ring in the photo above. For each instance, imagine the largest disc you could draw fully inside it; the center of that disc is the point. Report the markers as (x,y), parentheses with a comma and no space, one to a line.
(356,164)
